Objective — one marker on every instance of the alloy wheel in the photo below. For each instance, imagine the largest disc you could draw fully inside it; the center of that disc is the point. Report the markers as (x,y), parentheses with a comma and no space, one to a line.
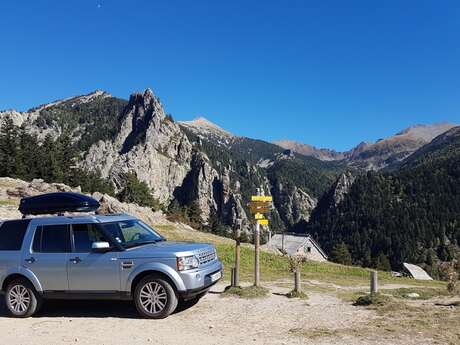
(19,299)
(153,297)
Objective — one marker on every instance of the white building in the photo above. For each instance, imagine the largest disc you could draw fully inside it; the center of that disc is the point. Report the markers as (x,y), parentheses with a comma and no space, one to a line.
(297,244)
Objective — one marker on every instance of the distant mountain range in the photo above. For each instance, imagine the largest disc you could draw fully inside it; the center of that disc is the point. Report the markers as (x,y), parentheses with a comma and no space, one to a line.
(198,172)
(375,156)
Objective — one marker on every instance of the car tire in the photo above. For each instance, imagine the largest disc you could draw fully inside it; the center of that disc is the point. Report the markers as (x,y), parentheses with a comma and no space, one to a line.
(155,298)
(21,299)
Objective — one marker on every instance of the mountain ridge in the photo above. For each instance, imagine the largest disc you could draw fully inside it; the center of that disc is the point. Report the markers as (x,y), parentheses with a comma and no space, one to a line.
(380,154)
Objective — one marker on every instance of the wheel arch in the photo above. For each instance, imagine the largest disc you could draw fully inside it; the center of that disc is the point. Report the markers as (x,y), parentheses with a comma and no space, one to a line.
(171,275)
(146,273)
(14,276)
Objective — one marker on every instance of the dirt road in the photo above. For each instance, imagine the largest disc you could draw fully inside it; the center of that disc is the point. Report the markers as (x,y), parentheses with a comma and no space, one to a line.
(214,320)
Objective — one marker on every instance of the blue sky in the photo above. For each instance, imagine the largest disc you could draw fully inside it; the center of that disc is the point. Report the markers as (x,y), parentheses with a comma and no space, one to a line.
(328,73)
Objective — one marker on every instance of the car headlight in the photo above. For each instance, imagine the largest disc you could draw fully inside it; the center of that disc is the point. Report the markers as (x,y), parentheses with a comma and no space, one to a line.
(187,263)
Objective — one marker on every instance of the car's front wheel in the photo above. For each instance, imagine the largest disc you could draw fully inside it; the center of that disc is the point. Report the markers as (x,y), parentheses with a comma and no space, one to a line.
(21,299)
(155,298)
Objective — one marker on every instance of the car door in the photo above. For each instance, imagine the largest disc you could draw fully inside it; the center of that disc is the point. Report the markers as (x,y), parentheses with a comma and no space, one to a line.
(89,271)
(49,256)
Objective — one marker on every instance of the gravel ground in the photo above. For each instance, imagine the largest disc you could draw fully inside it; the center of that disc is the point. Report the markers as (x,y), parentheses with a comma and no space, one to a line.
(214,320)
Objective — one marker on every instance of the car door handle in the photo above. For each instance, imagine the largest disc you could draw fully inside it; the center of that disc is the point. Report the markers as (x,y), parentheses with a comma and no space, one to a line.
(30,260)
(75,260)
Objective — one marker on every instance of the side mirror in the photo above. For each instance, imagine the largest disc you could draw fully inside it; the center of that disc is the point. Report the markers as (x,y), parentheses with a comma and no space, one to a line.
(100,247)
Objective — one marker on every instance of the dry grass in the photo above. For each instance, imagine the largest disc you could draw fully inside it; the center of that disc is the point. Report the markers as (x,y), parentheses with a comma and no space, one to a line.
(9,202)
(275,267)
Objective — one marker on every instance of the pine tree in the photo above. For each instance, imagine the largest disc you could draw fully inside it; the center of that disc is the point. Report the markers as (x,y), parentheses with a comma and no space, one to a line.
(137,192)
(8,148)
(382,263)
(341,254)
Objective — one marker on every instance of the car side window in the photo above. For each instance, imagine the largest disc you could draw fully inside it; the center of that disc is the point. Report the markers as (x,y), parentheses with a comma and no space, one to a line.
(85,235)
(12,234)
(37,243)
(52,239)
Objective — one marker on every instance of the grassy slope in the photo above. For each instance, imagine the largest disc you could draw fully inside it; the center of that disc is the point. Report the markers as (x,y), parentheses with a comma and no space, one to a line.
(275,267)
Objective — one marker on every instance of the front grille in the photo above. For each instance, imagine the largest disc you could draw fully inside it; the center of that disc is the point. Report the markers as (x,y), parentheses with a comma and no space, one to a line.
(206,256)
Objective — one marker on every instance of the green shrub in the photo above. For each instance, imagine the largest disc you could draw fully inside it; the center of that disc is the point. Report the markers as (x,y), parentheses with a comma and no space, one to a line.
(376,299)
(247,292)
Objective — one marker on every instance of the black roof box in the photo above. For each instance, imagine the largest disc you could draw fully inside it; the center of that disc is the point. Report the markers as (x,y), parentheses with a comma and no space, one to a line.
(60,202)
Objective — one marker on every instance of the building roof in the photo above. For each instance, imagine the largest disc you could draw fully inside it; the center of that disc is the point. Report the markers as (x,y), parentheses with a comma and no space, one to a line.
(417,272)
(292,242)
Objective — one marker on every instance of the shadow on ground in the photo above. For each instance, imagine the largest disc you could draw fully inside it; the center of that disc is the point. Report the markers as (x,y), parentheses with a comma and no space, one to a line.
(94,309)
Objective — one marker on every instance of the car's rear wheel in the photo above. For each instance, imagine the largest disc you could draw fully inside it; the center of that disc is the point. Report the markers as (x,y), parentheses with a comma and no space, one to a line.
(21,299)
(155,298)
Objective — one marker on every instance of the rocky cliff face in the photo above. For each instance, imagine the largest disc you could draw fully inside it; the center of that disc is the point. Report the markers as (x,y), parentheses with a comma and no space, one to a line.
(147,144)
(341,187)
(293,204)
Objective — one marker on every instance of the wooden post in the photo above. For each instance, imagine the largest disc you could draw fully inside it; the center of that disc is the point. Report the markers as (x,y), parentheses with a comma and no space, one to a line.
(232,277)
(374,284)
(282,242)
(297,286)
(257,253)
(236,278)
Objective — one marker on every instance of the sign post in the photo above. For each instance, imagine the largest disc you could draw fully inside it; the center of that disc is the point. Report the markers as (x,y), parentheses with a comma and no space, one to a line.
(257,250)
(259,205)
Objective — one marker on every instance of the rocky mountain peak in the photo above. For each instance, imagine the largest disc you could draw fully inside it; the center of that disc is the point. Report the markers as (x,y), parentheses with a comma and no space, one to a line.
(425,132)
(203,125)
(146,102)
(89,97)
(309,150)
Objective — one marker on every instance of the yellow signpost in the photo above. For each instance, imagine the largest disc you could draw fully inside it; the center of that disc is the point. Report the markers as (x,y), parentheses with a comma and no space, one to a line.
(263,198)
(256,210)
(259,216)
(259,205)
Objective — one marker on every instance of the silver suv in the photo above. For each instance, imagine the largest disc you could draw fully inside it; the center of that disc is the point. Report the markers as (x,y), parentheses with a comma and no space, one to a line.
(100,257)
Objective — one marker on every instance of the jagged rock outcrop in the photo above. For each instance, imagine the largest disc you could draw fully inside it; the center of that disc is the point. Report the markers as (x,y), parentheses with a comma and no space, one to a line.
(293,204)
(160,154)
(147,144)
(335,195)
(341,187)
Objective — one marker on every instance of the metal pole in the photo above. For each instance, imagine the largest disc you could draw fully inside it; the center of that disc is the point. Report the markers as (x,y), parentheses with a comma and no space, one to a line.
(374,284)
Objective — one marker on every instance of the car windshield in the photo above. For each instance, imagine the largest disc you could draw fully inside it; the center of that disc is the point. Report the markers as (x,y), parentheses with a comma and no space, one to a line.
(130,233)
